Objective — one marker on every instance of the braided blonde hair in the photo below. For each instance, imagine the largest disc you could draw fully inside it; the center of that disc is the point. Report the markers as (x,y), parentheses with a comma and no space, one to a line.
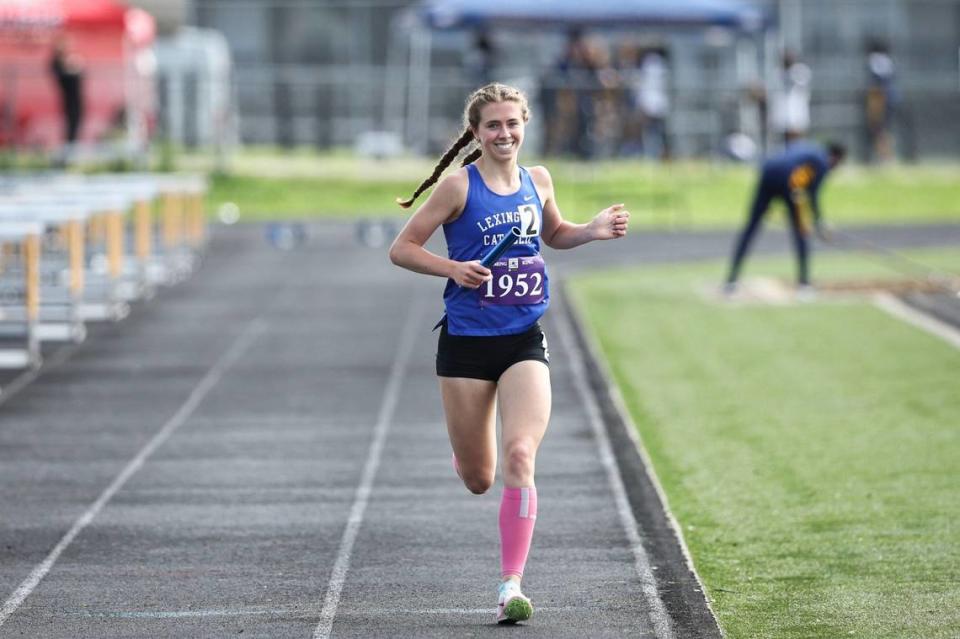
(489,94)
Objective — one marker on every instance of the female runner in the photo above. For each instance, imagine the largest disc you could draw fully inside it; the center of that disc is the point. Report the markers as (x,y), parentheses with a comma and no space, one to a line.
(492,352)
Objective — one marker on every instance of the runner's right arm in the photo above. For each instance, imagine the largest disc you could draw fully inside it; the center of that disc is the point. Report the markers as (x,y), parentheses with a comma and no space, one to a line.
(444,205)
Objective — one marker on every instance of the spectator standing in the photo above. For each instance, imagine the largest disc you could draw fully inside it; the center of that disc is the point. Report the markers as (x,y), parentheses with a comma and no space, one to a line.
(631,120)
(881,101)
(577,74)
(790,108)
(654,102)
(68,72)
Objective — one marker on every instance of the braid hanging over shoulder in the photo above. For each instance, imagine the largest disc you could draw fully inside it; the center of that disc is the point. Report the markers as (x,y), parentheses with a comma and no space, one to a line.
(473,156)
(465,138)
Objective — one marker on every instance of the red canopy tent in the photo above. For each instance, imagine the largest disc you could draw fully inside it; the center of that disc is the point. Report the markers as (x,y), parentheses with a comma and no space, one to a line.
(113,43)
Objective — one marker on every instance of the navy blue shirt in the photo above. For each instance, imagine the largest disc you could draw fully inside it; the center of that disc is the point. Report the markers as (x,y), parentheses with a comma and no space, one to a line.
(779,169)
(803,165)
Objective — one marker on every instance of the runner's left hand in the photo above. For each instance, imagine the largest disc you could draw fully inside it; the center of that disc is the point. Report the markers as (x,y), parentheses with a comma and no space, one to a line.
(610,223)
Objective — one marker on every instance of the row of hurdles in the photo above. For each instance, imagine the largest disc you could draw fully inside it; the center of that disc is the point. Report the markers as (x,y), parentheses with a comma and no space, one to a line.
(81,248)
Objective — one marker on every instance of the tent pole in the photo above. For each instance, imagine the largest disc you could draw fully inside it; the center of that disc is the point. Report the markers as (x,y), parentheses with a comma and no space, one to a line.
(393,88)
(427,75)
(411,76)
(418,103)
(770,72)
(748,71)
(791,25)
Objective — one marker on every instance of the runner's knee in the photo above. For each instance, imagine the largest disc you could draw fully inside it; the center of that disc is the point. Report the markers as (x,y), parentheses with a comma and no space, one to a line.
(519,457)
(478,483)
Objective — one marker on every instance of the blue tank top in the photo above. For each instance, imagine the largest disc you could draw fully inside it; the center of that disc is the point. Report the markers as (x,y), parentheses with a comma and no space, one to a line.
(520,293)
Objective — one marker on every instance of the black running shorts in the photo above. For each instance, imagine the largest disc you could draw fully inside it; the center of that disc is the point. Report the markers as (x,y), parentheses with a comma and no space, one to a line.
(488,357)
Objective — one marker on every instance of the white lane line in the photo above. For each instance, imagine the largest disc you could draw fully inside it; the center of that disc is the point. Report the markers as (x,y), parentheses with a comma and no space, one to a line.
(389,612)
(902,311)
(192,614)
(656,609)
(268,419)
(239,345)
(621,408)
(362,497)
(21,381)
(295,611)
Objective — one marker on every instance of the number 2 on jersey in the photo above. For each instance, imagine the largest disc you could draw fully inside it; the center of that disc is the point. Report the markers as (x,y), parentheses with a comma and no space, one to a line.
(529,220)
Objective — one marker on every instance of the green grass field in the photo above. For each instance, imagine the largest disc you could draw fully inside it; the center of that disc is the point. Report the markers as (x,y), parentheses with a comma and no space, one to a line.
(269,185)
(811,453)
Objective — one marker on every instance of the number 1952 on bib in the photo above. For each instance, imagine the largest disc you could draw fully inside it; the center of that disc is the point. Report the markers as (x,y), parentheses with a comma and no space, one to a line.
(516,280)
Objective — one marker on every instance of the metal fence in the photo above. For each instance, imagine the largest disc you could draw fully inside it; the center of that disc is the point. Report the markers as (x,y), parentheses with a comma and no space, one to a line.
(328,73)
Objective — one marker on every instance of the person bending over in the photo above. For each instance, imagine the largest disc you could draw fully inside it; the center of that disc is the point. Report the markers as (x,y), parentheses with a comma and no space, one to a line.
(795,176)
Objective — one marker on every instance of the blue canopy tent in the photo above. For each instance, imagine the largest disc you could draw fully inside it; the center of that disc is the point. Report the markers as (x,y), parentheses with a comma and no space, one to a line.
(468,14)
(748,25)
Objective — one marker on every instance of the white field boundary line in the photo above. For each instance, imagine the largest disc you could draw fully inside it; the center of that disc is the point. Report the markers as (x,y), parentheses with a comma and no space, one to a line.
(633,434)
(200,391)
(895,307)
(361,498)
(657,610)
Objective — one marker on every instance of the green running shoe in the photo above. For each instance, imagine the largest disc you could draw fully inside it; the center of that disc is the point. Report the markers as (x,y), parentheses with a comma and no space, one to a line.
(512,605)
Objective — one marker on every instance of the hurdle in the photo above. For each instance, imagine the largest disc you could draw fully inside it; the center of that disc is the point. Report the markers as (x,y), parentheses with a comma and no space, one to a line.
(136,231)
(103,298)
(169,233)
(183,234)
(19,294)
(62,274)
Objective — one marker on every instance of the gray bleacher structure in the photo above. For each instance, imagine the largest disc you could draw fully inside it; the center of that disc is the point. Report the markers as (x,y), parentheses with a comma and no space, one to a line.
(76,249)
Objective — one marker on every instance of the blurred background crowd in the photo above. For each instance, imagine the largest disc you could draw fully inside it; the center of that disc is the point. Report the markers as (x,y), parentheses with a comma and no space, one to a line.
(687,78)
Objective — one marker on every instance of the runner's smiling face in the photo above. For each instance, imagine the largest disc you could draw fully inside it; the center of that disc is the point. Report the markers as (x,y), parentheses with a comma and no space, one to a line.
(500,131)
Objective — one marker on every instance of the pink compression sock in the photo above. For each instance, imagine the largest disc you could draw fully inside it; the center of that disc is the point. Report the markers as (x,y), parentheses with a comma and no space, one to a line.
(518,514)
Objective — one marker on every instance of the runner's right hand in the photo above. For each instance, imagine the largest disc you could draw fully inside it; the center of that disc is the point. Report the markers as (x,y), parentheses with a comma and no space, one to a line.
(470,274)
